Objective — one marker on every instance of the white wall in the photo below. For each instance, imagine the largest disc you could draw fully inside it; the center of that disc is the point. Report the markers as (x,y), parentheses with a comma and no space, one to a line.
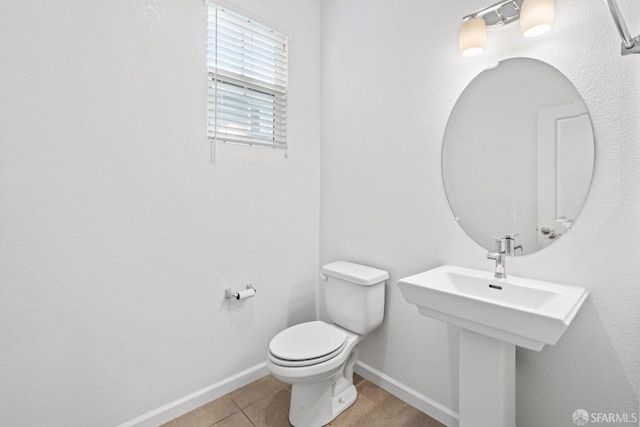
(117,237)
(391,75)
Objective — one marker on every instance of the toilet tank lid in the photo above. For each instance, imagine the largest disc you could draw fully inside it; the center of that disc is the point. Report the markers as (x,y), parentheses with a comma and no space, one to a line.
(355,273)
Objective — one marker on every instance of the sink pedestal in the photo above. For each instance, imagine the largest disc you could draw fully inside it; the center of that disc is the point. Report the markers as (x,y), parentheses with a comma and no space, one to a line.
(487,381)
(493,317)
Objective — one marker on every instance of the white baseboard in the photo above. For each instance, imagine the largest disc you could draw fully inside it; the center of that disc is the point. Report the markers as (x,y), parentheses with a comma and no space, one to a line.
(194,400)
(429,406)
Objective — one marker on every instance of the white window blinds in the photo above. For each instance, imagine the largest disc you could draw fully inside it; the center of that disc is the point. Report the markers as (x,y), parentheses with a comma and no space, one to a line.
(247,62)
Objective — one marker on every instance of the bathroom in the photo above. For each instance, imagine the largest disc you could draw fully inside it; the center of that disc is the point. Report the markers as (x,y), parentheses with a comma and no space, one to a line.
(122,225)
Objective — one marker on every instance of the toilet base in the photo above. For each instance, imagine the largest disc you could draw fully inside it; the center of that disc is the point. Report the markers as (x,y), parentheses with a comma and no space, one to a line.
(312,404)
(321,392)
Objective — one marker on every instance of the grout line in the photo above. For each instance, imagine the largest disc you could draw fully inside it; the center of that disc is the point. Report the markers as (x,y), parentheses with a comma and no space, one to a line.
(221,420)
(249,418)
(233,400)
(235,403)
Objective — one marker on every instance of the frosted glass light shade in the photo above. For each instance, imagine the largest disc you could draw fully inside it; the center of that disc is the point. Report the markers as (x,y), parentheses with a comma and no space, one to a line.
(536,17)
(473,37)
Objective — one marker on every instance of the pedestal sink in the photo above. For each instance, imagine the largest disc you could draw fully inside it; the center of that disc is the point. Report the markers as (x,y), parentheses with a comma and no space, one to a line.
(495,315)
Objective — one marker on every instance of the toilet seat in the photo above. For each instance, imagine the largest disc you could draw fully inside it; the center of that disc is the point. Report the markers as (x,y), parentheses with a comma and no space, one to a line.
(307,344)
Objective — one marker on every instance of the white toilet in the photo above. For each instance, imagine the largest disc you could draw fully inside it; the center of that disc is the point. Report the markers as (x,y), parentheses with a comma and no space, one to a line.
(317,358)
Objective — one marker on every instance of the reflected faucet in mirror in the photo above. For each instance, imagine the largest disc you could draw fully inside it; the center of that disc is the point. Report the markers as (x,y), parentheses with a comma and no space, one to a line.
(505,245)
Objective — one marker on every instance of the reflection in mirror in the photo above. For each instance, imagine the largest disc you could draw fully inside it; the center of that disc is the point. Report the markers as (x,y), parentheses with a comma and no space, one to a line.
(518,155)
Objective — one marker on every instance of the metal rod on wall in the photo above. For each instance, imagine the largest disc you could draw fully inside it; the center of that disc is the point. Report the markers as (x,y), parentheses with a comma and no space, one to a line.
(629,45)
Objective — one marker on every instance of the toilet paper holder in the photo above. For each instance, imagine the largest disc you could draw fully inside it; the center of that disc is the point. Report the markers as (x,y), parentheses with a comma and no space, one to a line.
(229,293)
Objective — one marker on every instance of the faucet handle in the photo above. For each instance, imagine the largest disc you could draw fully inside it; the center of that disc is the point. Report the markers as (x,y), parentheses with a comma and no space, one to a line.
(515,248)
(498,243)
(506,244)
(506,237)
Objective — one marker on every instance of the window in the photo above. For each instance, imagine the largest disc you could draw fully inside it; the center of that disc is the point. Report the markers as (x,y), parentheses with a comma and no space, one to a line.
(247,63)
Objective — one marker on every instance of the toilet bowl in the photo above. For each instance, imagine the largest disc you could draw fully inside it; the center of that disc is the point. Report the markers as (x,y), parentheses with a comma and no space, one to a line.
(317,358)
(322,384)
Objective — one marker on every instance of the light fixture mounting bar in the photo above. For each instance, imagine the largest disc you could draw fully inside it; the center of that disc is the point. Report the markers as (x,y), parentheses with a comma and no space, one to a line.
(498,9)
(629,44)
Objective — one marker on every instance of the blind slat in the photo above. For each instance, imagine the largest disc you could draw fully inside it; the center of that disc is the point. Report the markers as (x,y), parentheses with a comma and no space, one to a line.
(246,102)
(232,43)
(218,92)
(247,107)
(260,124)
(227,17)
(240,135)
(244,113)
(239,34)
(240,80)
(232,140)
(274,65)
(245,66)
(244,99)
(226,68)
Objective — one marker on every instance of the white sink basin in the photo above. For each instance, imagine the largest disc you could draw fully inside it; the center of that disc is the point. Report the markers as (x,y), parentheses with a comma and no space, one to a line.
(527,313)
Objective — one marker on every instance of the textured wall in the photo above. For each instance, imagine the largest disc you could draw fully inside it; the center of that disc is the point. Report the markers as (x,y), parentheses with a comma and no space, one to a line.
(117,238)
(391,75)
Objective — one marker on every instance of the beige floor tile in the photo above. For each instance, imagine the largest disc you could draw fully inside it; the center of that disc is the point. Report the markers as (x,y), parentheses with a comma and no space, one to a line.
(285,385)
(357,379)
(280,382)
(379,395)
(357,414)
(236,420)
(391,411)
(257,390)
(412,417)
(265,403)
(374,407)
(272,411)
(208,414)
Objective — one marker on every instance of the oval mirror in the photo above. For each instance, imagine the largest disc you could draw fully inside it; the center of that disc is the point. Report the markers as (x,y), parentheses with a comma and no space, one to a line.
(518,155)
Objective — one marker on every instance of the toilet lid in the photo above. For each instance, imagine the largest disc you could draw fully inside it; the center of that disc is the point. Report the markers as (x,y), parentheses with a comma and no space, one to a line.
(307,341)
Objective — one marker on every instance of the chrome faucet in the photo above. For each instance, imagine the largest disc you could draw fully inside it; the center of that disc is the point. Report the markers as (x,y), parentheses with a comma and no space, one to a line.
(504,246)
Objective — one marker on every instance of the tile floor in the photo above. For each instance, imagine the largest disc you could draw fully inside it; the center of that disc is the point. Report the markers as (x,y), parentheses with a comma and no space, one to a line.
(265,403)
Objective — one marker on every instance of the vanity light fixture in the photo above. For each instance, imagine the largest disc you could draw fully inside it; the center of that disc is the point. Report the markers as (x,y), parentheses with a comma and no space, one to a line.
(536,18)
(473,36)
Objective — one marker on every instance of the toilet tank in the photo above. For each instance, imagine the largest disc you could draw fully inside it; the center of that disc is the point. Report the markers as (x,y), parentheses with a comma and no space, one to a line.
(354,295)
